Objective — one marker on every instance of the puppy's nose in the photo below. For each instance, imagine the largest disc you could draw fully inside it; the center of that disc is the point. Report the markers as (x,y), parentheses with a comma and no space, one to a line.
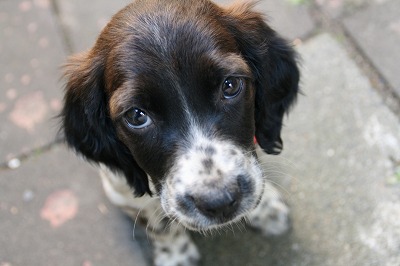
(221,204)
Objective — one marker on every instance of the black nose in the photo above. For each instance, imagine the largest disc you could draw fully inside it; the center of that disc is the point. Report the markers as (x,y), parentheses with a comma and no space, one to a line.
(221,205)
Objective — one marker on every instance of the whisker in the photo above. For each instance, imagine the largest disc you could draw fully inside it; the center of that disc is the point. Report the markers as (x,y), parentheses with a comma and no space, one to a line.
(279,159)
(172,222)
(160,216)
(281,188)
(137,215)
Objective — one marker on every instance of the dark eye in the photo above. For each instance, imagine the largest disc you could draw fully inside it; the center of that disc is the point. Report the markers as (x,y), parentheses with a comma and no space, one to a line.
(137,119)
(231,87)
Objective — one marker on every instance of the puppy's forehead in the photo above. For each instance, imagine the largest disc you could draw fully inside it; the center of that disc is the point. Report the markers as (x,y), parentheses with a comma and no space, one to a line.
(171,29)
(169,51)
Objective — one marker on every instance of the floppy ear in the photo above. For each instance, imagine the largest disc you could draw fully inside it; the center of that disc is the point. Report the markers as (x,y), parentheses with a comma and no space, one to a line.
(86,122)
(275,71)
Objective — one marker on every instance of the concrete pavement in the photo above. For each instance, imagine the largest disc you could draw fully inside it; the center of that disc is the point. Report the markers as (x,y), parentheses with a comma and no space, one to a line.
(340,169)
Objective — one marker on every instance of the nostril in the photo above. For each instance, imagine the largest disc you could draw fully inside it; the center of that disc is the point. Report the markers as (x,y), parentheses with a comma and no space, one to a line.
(190,198)
(208,211)
(222,205)
(233,203)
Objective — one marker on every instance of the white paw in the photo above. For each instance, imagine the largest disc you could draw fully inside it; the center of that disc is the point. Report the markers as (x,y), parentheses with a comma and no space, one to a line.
(179,250)
(271,216)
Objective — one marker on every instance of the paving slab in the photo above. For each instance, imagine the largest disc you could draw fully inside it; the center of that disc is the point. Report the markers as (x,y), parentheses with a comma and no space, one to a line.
(30,56)
(338,168)
(83,21)
(289,17)
(53,212)
(376,30)
(338,8)
(346,205)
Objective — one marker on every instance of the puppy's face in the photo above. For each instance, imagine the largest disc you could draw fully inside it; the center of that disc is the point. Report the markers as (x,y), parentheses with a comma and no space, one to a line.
(176,101)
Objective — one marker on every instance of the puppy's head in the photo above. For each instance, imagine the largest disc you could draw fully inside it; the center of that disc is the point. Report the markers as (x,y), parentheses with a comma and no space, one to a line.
(175,91)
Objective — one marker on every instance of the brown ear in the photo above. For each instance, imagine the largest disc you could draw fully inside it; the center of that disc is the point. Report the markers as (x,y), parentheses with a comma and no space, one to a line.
(86,123)
(273,63)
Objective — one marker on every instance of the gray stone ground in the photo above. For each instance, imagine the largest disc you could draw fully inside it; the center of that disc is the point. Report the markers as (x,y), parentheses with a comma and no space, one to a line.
(340,170)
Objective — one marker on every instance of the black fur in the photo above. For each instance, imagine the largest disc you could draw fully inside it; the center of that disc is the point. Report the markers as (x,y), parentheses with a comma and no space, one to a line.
(87,126)
(93,78)
(275,71)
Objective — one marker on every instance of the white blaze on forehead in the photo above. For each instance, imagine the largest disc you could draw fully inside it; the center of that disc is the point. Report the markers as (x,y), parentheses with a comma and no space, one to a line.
(232,64)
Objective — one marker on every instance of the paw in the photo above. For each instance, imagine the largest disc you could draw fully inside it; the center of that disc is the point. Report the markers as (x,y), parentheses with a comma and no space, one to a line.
(179,250)
(272,215)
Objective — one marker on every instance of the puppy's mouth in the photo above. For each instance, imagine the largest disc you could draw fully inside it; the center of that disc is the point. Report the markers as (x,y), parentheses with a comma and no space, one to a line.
(209,226)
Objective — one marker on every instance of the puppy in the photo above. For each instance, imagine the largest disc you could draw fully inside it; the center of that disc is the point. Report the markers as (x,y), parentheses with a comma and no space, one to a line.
(169,102)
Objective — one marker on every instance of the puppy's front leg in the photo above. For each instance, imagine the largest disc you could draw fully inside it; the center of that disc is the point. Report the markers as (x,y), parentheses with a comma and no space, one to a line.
(271,216)
(172,246)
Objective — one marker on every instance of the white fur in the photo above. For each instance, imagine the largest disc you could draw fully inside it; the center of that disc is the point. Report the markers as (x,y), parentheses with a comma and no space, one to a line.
(270,216)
